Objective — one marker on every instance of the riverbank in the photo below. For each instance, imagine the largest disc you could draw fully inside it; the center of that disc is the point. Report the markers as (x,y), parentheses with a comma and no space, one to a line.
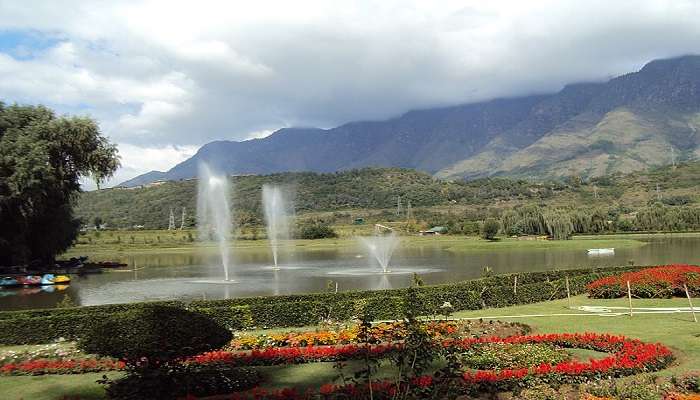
(101,244)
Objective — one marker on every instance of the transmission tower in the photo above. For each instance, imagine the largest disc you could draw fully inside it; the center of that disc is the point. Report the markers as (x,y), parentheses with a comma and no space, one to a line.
(409,211)
(673,157)
(399,208)
(595,192)
(171,220)
(182,221)
(658,192)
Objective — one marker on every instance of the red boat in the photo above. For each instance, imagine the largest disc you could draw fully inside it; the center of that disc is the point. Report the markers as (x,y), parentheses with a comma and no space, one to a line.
(29,280)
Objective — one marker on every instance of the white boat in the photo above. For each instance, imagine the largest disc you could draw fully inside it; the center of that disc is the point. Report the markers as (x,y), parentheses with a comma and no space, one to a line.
(601,251)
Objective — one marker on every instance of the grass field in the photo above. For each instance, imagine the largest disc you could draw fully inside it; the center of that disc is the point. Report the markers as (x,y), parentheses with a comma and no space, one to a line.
(104,243)
(677,331)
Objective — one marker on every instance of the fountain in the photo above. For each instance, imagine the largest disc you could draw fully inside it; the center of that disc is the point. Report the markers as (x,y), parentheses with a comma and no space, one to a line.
(381,247)
(214,213)
(276,209)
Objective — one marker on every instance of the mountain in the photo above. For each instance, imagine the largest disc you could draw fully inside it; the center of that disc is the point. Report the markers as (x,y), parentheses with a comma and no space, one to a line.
(641,119)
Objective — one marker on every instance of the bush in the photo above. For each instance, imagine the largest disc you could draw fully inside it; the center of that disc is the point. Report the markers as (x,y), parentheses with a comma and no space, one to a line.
(155,333)
(490,228)
(316,230)
(181,381)
(43,326)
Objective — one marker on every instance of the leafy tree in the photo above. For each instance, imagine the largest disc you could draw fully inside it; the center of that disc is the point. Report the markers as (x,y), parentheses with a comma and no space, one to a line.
(490,228)
(316,230)
(98,222)
(42,158)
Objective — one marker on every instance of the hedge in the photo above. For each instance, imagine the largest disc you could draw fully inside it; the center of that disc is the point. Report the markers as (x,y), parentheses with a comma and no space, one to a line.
(46,325)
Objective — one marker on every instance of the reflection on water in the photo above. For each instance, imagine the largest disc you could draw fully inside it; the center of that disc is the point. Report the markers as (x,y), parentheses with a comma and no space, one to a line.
(171,275)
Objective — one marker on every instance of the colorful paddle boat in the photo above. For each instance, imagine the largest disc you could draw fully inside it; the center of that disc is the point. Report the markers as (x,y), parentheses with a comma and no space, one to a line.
(51,279)
(29,280)
(9,281)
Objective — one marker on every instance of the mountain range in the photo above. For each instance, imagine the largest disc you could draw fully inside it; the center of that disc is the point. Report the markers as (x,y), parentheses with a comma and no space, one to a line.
(641,119)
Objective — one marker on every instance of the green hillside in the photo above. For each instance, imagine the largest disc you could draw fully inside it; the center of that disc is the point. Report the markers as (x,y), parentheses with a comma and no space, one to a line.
(372,191)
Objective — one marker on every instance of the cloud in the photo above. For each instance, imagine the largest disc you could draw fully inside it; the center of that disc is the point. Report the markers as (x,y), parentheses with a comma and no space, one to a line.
(175,75)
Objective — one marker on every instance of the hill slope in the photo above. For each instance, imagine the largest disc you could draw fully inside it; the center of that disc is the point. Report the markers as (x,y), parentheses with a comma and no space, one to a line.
(356,192)
(629,123)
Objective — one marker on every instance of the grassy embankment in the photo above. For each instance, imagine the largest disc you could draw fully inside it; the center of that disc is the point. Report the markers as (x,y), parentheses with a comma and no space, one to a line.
(678,331)
(105,243)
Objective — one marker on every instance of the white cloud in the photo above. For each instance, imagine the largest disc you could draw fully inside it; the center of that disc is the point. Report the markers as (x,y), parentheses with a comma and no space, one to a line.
(159,74)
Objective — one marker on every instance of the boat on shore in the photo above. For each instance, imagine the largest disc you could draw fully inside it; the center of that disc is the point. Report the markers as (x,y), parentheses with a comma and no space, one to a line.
(34,280)
(605,251)
(9,281)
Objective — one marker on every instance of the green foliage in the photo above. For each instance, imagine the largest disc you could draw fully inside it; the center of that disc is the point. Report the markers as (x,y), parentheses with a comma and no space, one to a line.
(43,326)
(42,158)
(490,356)
(317,229)
(150,335)
(180,381)
(559,225)
(490,229)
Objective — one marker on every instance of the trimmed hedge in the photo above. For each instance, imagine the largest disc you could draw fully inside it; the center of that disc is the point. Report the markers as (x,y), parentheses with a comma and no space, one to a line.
(42,326)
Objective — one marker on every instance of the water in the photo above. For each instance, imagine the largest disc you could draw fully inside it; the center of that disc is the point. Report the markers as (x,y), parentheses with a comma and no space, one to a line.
(276,208)
(169,274)
(381,248)
(214,212)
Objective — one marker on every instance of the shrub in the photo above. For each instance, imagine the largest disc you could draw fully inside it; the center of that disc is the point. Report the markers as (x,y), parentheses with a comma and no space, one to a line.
(316,230)
(490,228)
(43,326)
(184,380)
(151,335)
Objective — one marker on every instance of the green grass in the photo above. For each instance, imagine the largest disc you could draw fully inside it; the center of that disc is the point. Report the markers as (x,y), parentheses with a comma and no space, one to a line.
(573,244)
(50,387)
(106,243)
(677,331)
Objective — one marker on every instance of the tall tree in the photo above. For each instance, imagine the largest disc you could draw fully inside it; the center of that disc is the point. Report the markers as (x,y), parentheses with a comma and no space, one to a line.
(42,158)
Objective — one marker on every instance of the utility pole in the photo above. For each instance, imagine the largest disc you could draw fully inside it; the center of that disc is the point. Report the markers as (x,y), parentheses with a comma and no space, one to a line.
(171,220)
(658,192)
(399,209)
(595,191)
(409,211)
(673,157)
(182,221)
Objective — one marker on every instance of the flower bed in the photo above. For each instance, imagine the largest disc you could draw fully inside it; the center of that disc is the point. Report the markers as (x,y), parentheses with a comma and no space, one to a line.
(658,282)
(627,357)
(382,332)
(45,366)
(55,358)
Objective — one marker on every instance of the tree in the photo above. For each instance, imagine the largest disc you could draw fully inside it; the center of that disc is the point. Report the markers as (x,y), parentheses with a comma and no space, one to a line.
(317,229)
(490,228)
(98,222)
(42,158)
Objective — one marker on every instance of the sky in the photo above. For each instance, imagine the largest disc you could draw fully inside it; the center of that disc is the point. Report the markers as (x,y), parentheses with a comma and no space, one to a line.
(163,78)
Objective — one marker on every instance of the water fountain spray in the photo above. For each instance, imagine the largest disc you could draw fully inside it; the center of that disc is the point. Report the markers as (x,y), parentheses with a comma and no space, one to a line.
(381,247)
(214,212)
(276,208)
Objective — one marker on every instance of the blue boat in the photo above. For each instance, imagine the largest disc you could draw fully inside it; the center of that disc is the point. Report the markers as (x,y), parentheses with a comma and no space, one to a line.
(9,281)
(47,279)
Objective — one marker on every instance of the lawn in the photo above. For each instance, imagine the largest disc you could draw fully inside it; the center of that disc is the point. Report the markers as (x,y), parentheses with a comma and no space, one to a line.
(101,245)
(677,331)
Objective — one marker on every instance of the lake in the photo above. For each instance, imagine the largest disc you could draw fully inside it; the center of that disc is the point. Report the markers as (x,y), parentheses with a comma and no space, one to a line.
(177,274)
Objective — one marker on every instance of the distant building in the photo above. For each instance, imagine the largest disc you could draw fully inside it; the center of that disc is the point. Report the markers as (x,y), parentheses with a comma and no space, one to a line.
(434,231)
(156,183)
